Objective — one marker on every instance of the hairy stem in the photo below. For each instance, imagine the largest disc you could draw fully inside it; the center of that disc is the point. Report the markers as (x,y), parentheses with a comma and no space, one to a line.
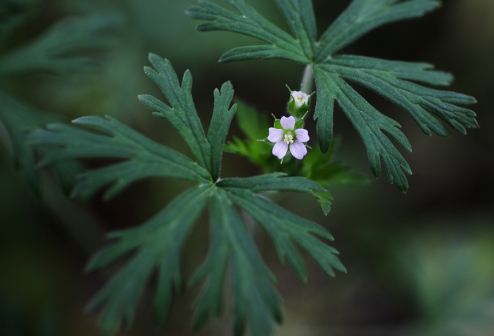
(307,80)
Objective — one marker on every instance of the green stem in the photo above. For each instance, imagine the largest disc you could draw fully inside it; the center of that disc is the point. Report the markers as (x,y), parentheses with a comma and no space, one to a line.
(307,80)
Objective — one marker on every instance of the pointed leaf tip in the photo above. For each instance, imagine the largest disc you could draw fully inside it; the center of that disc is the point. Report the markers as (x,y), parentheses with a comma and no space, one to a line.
(153,55)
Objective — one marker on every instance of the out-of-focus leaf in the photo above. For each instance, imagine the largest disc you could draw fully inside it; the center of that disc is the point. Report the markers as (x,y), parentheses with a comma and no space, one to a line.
(255,126)
(58,49)
(18,119)
(324,169)
(12,14)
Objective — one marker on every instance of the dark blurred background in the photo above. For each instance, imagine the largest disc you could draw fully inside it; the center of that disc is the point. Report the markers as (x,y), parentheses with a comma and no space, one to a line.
(418,264)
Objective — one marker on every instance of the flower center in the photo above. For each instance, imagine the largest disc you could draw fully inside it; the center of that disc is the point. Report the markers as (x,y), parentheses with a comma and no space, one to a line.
(288,139)
(300,97)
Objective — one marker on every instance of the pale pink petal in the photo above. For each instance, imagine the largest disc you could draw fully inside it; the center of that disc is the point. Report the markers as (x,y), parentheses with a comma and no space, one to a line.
(300,98)
(302,135)
(280,149)
(298,150)
(275,134)
(287,123)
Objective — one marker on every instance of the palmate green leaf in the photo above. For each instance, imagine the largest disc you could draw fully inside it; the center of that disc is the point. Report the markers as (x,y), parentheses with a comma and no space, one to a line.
(17,119)
(145,158)
(157,244)
(393,80)
(58,49)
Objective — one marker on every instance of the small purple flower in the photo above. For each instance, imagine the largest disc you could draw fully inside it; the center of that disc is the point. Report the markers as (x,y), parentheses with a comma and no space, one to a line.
(288,137)
(300,98)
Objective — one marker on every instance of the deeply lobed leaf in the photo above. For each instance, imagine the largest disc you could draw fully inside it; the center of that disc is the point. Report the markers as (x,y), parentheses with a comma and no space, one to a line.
(370,124)
(157,244)
(390,79)
(183,116)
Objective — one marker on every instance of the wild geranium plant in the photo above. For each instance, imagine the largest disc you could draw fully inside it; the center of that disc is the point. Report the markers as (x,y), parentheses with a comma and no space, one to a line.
(157,244)
(393,80)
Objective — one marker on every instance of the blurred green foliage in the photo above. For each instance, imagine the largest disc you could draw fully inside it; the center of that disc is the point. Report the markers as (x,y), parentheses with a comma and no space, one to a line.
(58,51)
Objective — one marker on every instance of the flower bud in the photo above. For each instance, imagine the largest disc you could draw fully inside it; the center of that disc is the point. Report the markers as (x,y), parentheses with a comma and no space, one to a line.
(299,104)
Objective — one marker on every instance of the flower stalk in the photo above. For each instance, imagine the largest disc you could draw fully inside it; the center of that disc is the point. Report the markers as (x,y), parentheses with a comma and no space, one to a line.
(307,80)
